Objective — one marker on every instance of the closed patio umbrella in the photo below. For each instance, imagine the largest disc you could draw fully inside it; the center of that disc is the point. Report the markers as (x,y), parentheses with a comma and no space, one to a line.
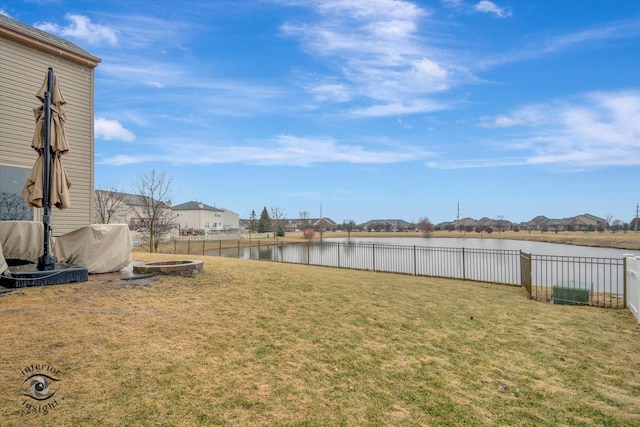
(59,182)
(48,184)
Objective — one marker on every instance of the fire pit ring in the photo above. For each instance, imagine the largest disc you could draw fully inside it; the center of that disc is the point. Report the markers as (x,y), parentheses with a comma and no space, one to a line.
(185,268)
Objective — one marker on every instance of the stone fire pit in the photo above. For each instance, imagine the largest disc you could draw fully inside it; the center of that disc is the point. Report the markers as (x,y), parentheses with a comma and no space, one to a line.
(185,268)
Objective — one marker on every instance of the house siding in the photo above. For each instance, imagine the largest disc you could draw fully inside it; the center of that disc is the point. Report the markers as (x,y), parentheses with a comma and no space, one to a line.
(23,69)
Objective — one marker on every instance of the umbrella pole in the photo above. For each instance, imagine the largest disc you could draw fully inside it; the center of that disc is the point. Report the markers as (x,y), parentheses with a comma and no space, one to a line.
(46,261)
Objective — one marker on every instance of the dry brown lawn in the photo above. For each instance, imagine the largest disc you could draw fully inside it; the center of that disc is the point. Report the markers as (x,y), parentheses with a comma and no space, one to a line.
(260,343)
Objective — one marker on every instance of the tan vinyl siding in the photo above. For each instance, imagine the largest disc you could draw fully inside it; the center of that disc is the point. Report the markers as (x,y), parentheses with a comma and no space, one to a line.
(22,73)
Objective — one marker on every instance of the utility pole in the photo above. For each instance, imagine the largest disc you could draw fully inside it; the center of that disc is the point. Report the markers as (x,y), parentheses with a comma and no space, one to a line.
(321,226)
(458,217)
(637,211)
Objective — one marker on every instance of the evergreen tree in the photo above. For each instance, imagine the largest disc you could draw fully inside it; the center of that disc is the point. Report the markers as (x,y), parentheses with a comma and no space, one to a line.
(264,223)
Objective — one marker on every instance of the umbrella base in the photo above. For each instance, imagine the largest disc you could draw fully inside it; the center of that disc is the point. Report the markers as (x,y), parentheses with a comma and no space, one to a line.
(22,276)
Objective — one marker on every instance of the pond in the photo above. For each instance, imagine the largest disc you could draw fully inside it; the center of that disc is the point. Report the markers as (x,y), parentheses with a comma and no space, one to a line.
(537,248)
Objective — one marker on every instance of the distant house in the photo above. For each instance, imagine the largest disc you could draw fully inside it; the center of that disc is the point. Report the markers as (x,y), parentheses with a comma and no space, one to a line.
(126,208)
(588,222)
(467,224)
(318,224)
(447,226)
(200,218)
(26,53)
(537,223)
(387,225)
(584,222)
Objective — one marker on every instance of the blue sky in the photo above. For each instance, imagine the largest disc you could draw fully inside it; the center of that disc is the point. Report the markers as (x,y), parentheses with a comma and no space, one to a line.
(368,108)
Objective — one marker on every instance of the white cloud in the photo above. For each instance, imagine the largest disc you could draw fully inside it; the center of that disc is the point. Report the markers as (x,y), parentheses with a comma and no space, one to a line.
(478,163)
(526,116)
(486,6)
(429,75)
(5,13)
(112,129)
(80,27)
(330,92)
(377,53)
(387,9)
(594,130)
(598,36)
(452,3)
(121,160)
(397,108)
(287,150)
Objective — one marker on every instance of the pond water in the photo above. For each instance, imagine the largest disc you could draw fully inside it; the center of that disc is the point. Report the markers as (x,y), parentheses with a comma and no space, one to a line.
(538,248)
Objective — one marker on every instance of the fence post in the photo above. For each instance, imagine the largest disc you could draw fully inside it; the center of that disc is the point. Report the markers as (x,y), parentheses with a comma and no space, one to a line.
(203,240)
(338,249)
(414,260)
(373,254)
(219,247)
(238,248)
(525,273)
(308,252)
(189,246)
(624,281)
(174,246)
(464,268)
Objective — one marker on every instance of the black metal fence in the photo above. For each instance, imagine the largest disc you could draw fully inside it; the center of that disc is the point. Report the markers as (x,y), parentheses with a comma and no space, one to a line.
(557,279)
(577,280)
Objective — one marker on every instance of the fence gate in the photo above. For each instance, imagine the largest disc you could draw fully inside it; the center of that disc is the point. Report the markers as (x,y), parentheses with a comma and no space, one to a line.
(525,271)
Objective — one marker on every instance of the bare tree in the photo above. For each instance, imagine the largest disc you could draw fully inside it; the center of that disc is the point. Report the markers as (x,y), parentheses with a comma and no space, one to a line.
(108,204)
(253,224)
(348,225)
(609,221)
(277,219)
(13,207)
(156,216)
(426,226)
(500,223)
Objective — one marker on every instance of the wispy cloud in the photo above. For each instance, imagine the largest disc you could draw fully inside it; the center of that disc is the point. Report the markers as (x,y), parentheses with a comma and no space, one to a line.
(477,163)
(376,54)
(81,28)
(129,32)
(486,6)
(580,39)
(398,108)
(287,150)
(137,31)
(597,129)
(609,31)
(483,6)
